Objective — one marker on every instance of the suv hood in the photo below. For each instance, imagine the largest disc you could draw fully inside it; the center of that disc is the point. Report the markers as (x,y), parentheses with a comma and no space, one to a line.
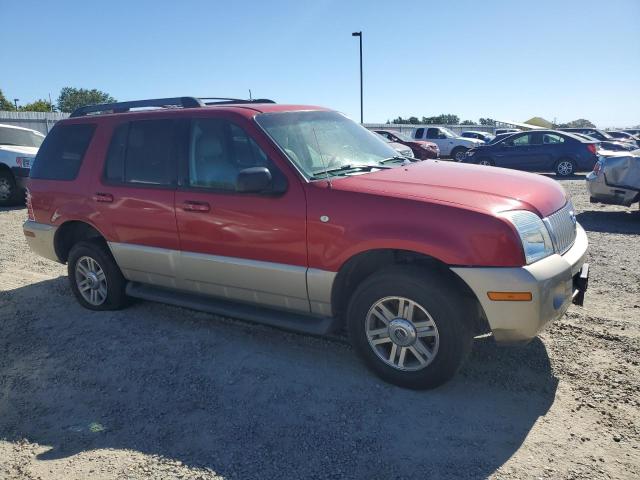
(486,189)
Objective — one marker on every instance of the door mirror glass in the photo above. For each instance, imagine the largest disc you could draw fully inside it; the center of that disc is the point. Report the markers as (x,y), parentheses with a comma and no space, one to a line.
(253,180)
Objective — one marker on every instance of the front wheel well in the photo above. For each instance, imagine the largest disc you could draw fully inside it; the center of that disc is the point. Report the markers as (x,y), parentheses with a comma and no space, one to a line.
(363,265)
(70,233)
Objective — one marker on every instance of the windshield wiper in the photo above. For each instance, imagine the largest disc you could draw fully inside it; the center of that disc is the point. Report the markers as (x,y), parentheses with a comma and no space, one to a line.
(395,159)
(345,168)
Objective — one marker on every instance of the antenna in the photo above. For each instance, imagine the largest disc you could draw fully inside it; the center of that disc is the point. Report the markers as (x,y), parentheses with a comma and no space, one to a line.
(324,164)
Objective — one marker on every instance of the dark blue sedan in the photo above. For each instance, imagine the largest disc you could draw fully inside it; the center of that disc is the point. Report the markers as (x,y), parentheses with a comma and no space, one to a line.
(538,150)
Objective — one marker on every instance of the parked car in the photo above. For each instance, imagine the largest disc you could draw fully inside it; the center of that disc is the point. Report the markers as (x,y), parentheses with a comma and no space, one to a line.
(484,136)
(624,136)
(500,131)
(611,146)
(18,148)
(538,150)
(398,147)
(615,179)
(449,143)
(632,131)
(421,149)
(592,132)
(300,218)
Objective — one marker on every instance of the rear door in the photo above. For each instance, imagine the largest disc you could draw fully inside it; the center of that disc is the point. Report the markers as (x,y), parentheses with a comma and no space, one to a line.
(248,247)
(134,200)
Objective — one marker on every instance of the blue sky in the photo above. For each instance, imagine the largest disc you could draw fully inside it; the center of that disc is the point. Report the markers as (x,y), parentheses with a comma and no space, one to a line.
(501,59)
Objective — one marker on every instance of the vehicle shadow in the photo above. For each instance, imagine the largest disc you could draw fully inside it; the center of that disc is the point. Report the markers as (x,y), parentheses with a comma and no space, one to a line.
(249,401)
(13,207)
(608,221)
(553,176)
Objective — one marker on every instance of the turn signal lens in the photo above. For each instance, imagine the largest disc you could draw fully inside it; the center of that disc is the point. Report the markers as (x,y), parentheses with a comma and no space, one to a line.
(510,296)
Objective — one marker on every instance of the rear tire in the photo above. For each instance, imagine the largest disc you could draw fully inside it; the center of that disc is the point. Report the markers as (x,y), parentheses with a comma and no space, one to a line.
(459,154)
(9,191)
(95,278)
(409,327)
(565,167)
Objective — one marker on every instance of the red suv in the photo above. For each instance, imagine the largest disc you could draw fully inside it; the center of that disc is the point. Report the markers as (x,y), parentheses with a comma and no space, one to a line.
(297,217)
(421,149)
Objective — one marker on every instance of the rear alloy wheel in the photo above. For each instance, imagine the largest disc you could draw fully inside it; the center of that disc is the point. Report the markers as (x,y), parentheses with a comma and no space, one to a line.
(8,189)
(95,278)
(484,161)
(565,167)
(459,154)
(409,326)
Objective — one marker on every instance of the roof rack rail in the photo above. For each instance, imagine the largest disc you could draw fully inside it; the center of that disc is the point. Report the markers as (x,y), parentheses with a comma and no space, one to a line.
(120,107)
(230,101)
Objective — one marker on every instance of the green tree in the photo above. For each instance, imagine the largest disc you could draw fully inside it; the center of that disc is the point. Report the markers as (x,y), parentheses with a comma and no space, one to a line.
(487,121)
(37,106)
(5,104)
(443,119)
(467,122)
(71,98)
(580,123)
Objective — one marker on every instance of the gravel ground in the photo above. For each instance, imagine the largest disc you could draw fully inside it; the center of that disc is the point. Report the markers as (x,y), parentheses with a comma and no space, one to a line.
(155,391)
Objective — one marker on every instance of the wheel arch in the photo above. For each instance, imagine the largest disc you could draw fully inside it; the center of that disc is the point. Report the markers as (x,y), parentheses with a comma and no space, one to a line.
(364,264)
(71,232)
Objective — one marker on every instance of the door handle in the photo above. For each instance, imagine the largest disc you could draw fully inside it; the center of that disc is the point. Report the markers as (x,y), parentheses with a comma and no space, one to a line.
(103,197)
(194,206)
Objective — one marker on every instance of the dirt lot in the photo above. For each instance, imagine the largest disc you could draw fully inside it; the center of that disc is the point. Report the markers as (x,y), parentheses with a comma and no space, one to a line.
(161,392)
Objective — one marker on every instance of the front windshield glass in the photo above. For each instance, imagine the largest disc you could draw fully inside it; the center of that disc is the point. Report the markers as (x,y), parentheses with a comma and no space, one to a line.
(23,138)
(403,136)
(447,132)
(316,141)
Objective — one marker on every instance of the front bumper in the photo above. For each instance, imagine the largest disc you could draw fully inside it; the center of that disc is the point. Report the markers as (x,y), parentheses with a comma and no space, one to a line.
(553,282)
(40,238)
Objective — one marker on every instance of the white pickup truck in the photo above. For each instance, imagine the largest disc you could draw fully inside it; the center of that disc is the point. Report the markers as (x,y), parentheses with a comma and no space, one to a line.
(18,148)
(450,144)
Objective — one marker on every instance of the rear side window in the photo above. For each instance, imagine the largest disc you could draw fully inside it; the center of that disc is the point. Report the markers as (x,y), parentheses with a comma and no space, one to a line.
(144,153)
(432,133)
(62,151)
(419,133)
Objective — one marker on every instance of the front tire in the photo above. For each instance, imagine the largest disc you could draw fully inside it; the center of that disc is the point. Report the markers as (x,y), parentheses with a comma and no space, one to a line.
(9,190)
(409,327)
(95,278)
(485,161)
(459,154)
(565,167)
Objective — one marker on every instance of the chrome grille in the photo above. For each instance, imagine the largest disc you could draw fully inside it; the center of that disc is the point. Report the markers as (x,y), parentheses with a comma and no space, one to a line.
(562,227)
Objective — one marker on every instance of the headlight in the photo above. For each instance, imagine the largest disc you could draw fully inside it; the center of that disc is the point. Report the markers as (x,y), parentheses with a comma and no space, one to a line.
(534,235)
(470,153)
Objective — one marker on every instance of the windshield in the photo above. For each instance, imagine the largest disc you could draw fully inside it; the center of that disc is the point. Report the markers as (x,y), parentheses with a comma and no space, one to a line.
(316,141)
(403,136)
(447,132)
(23,138)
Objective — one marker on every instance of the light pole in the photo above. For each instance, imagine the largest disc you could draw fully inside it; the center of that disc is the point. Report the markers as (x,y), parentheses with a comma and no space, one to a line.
(15,102)
(359,35)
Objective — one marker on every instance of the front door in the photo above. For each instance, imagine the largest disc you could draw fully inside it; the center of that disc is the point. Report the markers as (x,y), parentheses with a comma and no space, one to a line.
(248,247)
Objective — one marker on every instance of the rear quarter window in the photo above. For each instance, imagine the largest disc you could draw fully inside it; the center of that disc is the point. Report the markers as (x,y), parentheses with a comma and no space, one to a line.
(62,151)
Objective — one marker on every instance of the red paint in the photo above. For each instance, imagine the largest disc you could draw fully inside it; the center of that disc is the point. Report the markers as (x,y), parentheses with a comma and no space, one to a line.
(443,209)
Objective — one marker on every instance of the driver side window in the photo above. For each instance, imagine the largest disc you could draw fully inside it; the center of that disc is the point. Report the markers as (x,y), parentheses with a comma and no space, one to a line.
(521,141)
(218,151)
(433,133)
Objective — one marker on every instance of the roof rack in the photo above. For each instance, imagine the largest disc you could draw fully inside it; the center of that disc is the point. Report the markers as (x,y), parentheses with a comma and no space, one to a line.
(231,101)
(175,102)
(120,107)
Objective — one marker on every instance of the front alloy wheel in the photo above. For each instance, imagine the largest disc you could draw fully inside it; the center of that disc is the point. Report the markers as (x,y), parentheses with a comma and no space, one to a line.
(91,281)
(402,333)
(565,168)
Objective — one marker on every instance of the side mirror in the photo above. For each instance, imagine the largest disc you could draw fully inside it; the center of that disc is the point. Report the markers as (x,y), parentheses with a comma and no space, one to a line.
(253,180)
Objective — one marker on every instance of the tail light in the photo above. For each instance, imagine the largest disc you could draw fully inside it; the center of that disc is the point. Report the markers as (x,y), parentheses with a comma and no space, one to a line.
(30,214)
(597,167)
(592,148)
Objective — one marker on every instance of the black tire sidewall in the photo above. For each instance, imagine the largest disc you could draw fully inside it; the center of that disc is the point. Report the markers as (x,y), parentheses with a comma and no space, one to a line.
(116,283)
(13,197)
(442,303)
(457,150)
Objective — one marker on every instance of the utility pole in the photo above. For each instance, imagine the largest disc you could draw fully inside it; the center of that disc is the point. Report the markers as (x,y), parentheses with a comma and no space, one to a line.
(15,102)
(359,35)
